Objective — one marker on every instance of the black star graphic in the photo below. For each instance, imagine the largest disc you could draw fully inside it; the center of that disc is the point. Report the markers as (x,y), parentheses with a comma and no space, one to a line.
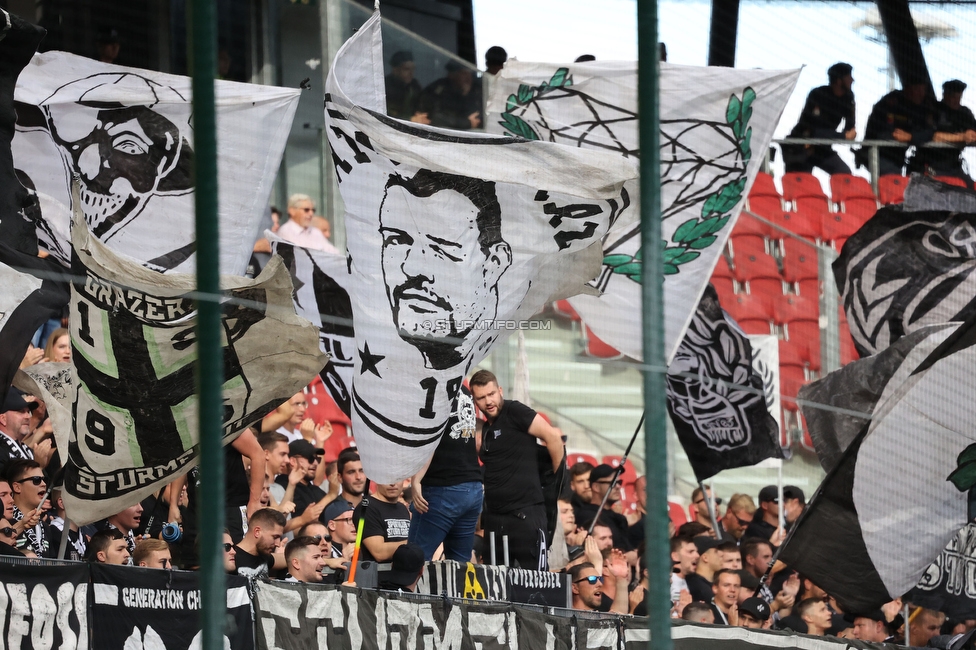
(368,361)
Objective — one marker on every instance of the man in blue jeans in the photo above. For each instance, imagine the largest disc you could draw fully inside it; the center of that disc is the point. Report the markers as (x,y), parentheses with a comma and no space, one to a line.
(447,494)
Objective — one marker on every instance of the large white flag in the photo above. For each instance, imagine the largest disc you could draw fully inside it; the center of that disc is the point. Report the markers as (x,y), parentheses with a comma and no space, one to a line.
(453,238)
(716,124)
(128,136)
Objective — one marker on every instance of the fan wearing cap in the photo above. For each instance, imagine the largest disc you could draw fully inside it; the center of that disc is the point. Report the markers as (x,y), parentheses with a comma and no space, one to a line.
(15,420)
(338,519)
(310,500)
(766,518)
(600,483)
(827,108)
(754,613)
(454,101)
(870,626)
(954,124)
(710,559)
(408,566)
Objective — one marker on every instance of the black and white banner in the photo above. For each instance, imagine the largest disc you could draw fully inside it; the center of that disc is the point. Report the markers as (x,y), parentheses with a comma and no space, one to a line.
(455,240)
(151,609)
(44,606)
(322,283)
(488,582)
(949,584)
(898,491)
(127,134)
(134,406)
(716,399)
(905,269)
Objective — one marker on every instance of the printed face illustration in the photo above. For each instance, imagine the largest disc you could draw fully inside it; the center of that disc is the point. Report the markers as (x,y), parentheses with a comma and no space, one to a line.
(123,154)
(441,274)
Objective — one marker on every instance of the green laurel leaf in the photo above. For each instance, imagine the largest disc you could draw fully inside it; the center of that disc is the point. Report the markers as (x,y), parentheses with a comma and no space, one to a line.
(703,242)
(670,269)
(634,268)
(682,234)
(964,476)
(559,78)
(635,277)
(617,260)
(517,126)
(671,254)
(716,224)
(639,254)
(511,104)
(524,93)
(687,257)
(748,96)
(733,109)
(746,145)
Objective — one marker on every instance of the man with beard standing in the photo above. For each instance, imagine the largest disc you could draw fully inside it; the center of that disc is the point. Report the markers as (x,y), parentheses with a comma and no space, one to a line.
(514,503)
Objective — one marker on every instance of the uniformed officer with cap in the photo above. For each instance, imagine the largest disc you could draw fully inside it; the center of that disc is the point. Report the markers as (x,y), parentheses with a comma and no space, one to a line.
(827,107)
(956,125)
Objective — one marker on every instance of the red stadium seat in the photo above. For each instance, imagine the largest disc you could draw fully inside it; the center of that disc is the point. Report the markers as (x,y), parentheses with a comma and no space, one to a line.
(841,225)
(804,224)
(891,189)
(677,513)
(565,310)
(747,224)
(811,204)
(575,457)
(722,269)
(770,287)
(763,186)
(860,209)
(801,185)
(746,243)
(951,180)
(725,288)
(844,187)
(751,260)
(767,207)
(809,288)
(789,308)
(750,306)
(805,335)
(792,353)
(799,260)
(791,378)
(751,325)
(596,348)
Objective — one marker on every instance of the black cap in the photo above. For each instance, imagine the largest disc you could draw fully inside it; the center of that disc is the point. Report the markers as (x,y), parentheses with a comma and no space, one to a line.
(874,615)
(408,562)
(600,472)
(839,71)
(704,543)
(335,509)
(496,54)
(756,608)
(771,493)
(401,57)
(793,492)
(304,449)
(14,401)
(748,580)
(953,86)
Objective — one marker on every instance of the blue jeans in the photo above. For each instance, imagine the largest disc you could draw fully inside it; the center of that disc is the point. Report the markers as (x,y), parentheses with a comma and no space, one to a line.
(451,517)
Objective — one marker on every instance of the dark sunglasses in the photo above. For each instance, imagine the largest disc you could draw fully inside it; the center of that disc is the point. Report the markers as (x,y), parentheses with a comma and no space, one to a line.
(7,531)
(36,480)
(590,579)
(317,539)
(227,547)
(718,501)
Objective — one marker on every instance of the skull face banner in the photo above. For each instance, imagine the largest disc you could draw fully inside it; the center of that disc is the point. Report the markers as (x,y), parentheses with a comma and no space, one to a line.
(127,135)
(455,240)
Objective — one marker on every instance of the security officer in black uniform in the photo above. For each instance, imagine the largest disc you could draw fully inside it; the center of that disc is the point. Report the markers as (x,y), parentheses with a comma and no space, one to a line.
(826,108)
(956,125)
(906,116)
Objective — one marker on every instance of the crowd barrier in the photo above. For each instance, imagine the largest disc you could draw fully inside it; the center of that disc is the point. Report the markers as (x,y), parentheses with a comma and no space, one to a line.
(48,605)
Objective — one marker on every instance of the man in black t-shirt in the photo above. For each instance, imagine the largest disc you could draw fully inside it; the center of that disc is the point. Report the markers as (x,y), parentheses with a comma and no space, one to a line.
(826,109)
(387,523)
(514,502)
(600,479)
(255,555)
(447,494)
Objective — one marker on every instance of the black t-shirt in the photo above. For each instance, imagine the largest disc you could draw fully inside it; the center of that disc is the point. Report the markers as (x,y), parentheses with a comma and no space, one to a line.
(455,459)
(235,477)
(760,529)
(699,588)
(391,521)
(510,456)
(305,495)
(256,566)
(823,113)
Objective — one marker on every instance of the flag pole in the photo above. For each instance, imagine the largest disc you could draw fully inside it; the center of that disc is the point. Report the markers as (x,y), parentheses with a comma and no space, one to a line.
(616,474)
(657,554)
(202,40)
(710,500)
(779,497)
